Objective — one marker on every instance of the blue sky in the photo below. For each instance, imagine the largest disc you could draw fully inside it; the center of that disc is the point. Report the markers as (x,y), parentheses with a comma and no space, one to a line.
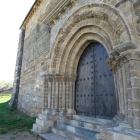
(12,14)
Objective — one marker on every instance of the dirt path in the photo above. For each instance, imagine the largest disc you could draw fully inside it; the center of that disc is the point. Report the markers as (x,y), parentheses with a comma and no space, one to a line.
(17,136)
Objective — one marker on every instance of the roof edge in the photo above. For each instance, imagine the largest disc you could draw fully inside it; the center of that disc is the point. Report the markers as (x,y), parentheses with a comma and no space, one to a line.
(31,12)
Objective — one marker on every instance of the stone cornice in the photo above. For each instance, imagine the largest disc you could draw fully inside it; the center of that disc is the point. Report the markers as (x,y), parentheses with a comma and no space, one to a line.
(31,13)
(122,48)
(55,9)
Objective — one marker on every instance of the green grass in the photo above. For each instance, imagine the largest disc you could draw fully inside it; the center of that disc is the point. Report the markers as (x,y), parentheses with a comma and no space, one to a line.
(10,120)
(4,98)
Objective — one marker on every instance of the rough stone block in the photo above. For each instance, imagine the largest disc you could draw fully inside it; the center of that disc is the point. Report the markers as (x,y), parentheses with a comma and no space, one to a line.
(135,82)
(129,92)
(44,123)
(136,104)
(136,123)
(112,135)
(136,113)
(41,129)
(135,73)
(130,120)
(136,93)
(130,104)
(134,65)
(44,117)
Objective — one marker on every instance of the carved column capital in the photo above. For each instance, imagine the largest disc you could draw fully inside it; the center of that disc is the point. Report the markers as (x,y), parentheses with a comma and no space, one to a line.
(122,54)
(72,78)
(49,77)
(63,78)
(116,62)
(57,78)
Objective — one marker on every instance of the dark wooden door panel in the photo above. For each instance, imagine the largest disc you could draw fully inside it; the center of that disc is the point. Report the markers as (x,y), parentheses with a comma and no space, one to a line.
(84,83)
(95,90)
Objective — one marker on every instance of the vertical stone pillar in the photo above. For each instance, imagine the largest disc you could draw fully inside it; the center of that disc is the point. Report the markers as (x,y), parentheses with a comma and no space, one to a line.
(121,89)
(45,91)
(50,82)
(116,89)
(14,99)
(53,95)
(115,64)
(125,72)
(67,93)
(134,94)
(71,109)
(64,80)
(127,65)
(60,93)
(56,99)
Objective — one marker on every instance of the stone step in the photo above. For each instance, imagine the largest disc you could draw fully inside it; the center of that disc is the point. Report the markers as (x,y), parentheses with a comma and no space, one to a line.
(69,135)
(80,131)
(41,129)
(87,125)
(98,121)
(44,123)
(47,136)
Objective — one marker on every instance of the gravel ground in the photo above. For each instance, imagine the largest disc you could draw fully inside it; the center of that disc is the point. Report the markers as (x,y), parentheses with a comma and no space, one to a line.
(17,136)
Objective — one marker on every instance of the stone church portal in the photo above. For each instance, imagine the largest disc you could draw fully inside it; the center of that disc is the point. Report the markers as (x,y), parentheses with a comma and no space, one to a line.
(78,69)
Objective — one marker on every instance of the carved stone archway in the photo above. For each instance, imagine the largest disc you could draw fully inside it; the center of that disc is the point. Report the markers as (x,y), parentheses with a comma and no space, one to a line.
(104,24)
(103,21)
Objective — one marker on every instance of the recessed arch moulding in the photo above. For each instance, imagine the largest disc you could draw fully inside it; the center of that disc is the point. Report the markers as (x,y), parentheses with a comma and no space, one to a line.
(95,23)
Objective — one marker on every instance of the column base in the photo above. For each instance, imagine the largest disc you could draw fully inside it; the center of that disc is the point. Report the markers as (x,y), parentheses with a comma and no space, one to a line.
(119,117)
(55,112)
(48,111)
(125,124)
(71,111)
(63,112)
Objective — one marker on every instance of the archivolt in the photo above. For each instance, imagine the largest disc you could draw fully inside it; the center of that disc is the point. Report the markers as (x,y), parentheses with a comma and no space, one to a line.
(89,33)
(97,22)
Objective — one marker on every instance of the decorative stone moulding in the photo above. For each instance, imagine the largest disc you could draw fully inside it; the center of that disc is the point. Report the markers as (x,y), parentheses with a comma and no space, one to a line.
(55,10)
(123,47)
(115,62)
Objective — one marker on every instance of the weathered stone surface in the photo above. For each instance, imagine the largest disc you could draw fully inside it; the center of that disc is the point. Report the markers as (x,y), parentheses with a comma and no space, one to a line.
(56,34)
(41,129)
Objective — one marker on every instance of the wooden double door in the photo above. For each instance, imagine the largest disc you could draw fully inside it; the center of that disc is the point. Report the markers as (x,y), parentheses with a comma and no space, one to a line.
(95,89)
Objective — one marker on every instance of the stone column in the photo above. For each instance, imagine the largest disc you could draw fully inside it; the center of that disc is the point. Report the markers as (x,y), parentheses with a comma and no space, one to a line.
(60,93)
(125,71)
(71,109)
(134,94)
(127,63)
(45,91)
(116,89)
(50,81)
(56,99)
(64,80)
(119,66)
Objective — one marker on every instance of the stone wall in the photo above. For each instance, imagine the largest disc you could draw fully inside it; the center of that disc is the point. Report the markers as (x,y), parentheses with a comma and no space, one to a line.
(34,64)
(55,47)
